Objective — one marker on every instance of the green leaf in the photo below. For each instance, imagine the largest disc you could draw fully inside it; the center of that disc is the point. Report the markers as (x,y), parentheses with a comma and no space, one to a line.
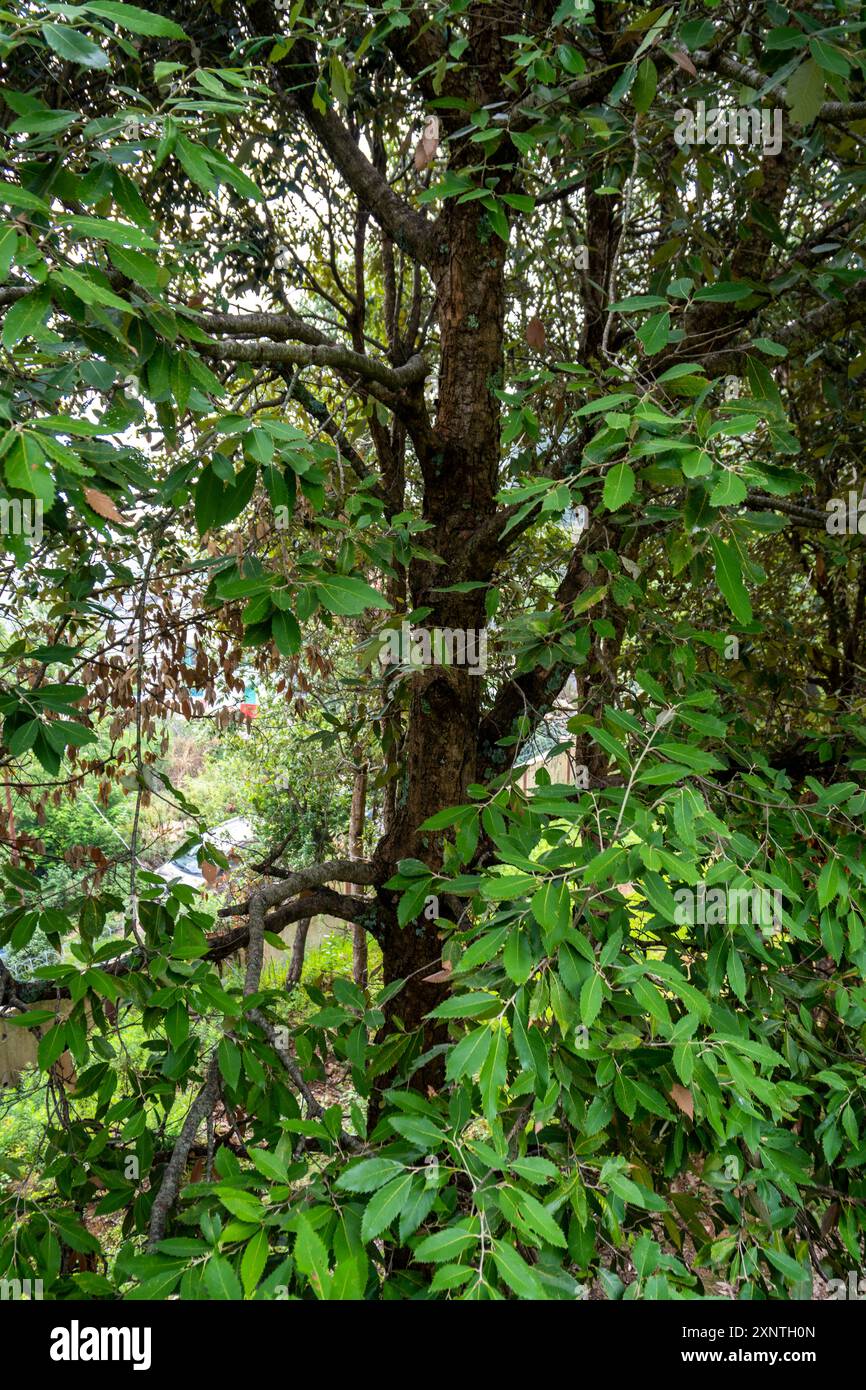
(602,866)
(618,486)
(551,907)
(448,1244)
(177,1025)
(311,1257)
(464,1006)
(270,1165)
(729,577)
(254,1259)
(25,316)
(244,1205)
(369,1174)
(498,218)
(632,305)
(466,1058)
(829,58)
(26,469)
(229,1057)
(517,956)
(119,233)
(196,164)
(420,1131)
(156,1288)
(13,196)
(535,1169)
(350,1278)
(541,1219)
(607,402)
(769,347)
(645,1255)
(590,998)
(788,1267)
(388,1202)
(655,334)
(222,1282)
(805,93)
(737,975)
(286,633)
(517,1274)
(729,491)
(344,595)
(829,882)
(137,266)
(644,87)
(51,1046)
(494,1071)
(73,47)
(724,292)
(136,20)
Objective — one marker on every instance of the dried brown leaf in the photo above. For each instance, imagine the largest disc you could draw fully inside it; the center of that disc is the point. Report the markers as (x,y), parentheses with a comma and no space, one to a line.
(535,334)
(439,977)
(425,150)
(683,1099)
(103,505)
(684,62)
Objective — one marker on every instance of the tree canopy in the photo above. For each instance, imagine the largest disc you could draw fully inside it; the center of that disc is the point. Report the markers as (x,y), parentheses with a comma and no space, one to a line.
(540,327)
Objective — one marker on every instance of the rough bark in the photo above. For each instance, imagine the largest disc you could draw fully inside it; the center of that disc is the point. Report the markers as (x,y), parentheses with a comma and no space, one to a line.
(442,728)
(299,947)
(356,851)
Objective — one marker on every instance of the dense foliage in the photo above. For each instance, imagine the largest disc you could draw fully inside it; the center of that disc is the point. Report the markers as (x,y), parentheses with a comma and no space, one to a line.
(325,319)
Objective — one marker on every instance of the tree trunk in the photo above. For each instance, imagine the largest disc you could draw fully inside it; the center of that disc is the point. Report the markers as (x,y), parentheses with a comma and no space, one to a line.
(441,739)
(356,851)
(299,947)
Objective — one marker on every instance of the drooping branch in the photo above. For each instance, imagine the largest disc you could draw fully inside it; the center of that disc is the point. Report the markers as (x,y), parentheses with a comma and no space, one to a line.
(801,335)
(324,902)
(394,379)
(359,871)
(753,77)
(165,1198)
(203,1105)
(294,79)
(307,887)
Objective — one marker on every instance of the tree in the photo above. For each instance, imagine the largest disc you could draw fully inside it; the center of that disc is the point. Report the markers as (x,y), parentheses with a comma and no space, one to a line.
(451,315)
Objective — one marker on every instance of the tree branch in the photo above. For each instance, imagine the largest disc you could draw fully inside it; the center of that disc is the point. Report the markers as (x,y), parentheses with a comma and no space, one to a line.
(753,77)
(411,230)
(165,1198)
(345,360)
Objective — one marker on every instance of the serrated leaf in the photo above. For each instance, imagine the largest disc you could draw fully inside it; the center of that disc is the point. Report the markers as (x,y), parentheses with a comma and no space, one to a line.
(221,1280)
(619,486)
(25,316)
(466,1057)
(729,491)
(74,47)
(591,995)
(369,1174)
(518,1275)
(805,92)
(253,1262)
(311,1257)
(448,1244)
(388,1202)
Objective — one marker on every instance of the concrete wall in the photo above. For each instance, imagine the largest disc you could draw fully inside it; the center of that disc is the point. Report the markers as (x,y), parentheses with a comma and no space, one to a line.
(18,1046)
